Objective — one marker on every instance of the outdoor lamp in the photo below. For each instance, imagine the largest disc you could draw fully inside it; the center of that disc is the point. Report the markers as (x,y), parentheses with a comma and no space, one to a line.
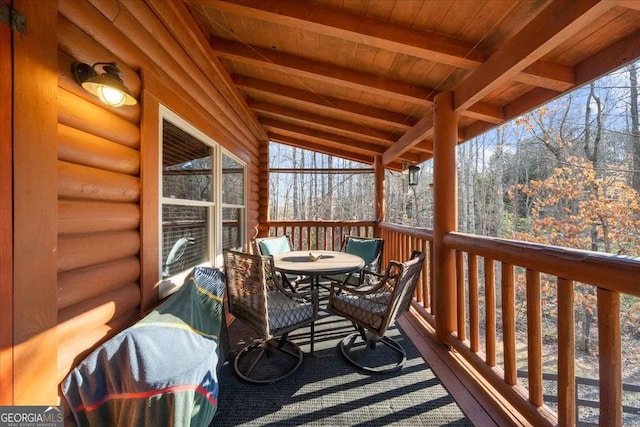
(413,175)
(108,86)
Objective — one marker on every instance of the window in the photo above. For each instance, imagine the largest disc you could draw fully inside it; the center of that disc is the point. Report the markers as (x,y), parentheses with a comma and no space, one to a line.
(187,200)
(202,201)
(233,203)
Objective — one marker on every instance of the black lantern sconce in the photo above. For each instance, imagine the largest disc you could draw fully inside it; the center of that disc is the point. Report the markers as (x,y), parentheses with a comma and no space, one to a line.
(413,175)
(107,86)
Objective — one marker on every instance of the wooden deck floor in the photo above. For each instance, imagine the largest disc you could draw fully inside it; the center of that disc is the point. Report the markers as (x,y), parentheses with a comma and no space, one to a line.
(470,392)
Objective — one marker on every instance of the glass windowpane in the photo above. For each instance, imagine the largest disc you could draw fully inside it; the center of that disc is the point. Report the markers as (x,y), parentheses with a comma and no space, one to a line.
(185,237)
(186,165)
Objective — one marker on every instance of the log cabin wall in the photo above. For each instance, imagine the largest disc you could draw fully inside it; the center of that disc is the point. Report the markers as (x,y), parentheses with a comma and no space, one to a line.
(106,261)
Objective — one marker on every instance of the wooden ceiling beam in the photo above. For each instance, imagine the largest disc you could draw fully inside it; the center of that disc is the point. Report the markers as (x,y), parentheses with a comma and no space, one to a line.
(358,130)
(345,77)
(320,148)
(422,44)
(554,25)
(296,66)
(363,112)
(355,145)
(422,130)
(610,58)
(303,132)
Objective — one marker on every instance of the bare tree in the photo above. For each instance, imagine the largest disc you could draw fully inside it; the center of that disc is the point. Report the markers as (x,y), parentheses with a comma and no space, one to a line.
(635,126)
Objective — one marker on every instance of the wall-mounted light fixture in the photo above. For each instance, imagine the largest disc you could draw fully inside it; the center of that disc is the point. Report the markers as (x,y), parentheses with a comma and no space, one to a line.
(108,86)
(413,175)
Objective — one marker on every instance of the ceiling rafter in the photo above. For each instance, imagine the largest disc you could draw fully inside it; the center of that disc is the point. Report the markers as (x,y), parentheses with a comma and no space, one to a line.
(320,148)
(353,129)
(322,71)
(303,97)
(296,66)
(554,25)
(350,144)
(422,130)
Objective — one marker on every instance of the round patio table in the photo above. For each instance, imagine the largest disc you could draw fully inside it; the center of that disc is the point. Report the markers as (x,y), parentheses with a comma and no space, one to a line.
(327,263)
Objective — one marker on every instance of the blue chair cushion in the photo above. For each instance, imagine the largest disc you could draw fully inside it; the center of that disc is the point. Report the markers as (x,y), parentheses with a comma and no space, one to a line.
(274,246)
(365,249)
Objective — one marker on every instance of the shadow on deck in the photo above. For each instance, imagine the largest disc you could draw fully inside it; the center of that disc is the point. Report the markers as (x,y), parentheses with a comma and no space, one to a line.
(328,391)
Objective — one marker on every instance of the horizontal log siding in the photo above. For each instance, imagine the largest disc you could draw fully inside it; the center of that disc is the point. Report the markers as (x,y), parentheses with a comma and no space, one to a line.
(81,284)
(80,216)
(98,206)
(99,215)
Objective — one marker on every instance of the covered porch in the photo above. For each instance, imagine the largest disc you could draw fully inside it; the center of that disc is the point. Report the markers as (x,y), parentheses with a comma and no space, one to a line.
(386,83)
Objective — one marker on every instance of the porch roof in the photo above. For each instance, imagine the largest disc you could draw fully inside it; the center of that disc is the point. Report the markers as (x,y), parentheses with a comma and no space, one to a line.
(358,78)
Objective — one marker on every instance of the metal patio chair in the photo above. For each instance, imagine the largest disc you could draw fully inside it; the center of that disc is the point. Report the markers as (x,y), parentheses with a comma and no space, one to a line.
(369,249)
(256,297)
(276,245)
(373,308)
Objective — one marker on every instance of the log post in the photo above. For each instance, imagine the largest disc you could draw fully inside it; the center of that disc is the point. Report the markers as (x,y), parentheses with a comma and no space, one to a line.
(379,211)
(263,190)
(445,133)
(35,127)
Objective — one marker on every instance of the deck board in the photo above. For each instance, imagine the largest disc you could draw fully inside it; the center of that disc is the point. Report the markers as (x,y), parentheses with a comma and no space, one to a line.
(471,393)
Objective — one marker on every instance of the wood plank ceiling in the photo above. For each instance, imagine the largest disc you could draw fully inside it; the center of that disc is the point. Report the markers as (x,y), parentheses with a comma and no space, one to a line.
(357,78)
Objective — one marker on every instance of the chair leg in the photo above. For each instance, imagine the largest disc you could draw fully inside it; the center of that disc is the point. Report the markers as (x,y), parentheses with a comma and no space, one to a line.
(313,327)
(364,354)
(251,365)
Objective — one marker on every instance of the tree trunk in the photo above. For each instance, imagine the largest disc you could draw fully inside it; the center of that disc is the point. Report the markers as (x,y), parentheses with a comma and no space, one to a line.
(635,127)
(296,186)
(499,194)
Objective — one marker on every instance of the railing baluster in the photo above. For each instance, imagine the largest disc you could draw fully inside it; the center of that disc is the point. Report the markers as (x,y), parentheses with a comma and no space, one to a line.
(490,307)
(419,292)
(474,304)
(534,332)
(432,290)
(509,323)
(610,353)
(566,354)
(461,300)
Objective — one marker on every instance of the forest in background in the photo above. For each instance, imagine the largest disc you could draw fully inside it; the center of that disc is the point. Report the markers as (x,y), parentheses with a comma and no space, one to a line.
(565,174)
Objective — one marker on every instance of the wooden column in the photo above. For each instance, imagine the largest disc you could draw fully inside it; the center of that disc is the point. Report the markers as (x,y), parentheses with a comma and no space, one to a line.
(263,191)
(150,147)
(610,361)
(6,218)
(379,211)
(35,198)
(445,198)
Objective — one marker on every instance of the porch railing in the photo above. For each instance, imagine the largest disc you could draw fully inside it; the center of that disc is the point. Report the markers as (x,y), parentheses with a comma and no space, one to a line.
(320,235)
(489,272)
(603,276)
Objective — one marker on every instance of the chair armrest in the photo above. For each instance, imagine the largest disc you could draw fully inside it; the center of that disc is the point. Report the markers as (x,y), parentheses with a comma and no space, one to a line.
(336,287)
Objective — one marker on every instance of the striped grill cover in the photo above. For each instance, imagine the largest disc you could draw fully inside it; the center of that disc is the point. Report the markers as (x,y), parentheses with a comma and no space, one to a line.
(160,371)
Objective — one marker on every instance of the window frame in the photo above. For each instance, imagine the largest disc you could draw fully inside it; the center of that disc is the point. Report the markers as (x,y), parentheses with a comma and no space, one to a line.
(243,217)
(170,284)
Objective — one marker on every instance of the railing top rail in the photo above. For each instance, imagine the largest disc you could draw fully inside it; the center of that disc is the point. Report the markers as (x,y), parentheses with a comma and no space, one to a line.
(422,233)
(614,272)
(296,223)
